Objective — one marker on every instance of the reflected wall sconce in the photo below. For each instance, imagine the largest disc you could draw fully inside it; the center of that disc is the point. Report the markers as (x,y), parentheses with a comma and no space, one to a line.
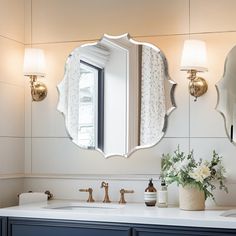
(194,60)
(34,67)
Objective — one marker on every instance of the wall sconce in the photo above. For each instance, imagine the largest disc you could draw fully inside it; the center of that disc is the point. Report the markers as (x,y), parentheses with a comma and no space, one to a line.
(34,67)
(194,60)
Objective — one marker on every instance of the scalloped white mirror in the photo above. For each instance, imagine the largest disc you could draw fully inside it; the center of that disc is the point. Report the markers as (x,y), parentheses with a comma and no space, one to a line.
(116,95)
(226,89)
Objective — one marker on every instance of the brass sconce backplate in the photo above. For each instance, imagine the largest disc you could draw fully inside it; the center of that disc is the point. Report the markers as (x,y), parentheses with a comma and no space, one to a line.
(197,85)
(38,89)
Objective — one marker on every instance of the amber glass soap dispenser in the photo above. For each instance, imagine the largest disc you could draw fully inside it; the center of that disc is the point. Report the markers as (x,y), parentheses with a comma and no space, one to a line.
(150,195)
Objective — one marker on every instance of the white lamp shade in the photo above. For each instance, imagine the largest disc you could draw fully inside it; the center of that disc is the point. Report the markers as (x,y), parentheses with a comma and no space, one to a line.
(194,56)
(34,62)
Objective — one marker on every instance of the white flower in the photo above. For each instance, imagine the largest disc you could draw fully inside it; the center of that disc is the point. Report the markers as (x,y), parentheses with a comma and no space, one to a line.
(205,171)
(196,175)
(200,173)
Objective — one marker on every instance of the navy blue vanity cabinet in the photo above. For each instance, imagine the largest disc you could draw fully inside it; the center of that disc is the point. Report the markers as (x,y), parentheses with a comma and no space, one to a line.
(46,227)
(43,227)
(166,230)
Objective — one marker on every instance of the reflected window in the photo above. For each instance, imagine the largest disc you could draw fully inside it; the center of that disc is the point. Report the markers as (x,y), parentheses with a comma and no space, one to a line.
(91,106)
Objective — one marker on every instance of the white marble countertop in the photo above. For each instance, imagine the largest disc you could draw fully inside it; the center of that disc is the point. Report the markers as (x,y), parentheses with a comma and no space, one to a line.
(129,213)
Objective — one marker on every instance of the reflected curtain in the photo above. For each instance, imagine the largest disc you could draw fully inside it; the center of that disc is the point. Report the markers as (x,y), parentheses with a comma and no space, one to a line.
(69,95)
(153,110)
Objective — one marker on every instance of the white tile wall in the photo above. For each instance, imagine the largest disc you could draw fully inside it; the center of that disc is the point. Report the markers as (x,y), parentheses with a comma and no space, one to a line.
(12,153)
(27,21)
(11,101)
(28,108)
(106,16)
(27,159)
(12,110)
(11,62)
(12,19)
(212,16)
(56,163)
(10,188)
(61,156)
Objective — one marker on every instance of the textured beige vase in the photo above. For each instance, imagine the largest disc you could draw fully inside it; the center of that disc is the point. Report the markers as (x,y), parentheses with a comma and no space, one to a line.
(191,199)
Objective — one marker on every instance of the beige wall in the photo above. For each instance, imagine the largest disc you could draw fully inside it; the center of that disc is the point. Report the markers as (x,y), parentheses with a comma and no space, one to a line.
(11,100)
(52,161)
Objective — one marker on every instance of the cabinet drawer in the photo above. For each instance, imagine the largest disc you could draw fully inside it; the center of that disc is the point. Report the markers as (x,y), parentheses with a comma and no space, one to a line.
(179,231)
(28,227)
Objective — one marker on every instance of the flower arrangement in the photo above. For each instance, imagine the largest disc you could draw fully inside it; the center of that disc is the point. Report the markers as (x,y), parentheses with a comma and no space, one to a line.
(186,171)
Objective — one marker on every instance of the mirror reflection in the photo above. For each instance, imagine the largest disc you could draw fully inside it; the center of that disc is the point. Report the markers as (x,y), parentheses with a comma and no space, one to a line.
(116,95)
(226,88)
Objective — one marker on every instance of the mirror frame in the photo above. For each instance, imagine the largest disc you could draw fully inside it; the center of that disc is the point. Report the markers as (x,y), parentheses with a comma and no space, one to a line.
(171,91)
(217,86)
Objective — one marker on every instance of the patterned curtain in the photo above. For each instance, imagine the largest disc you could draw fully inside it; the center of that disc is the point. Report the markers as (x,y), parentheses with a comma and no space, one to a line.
(69,95)
(153,110)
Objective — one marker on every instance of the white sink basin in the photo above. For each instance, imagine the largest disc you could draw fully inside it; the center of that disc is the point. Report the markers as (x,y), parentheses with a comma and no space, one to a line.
(229,213)
(79,206)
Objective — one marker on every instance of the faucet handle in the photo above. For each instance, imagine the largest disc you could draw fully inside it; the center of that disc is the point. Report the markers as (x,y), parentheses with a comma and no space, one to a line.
(50,195)
(122,195)
(90,191)
(104,184)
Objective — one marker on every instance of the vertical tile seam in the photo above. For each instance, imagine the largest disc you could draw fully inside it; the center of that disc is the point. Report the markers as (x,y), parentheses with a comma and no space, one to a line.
(189,99)
(31,103)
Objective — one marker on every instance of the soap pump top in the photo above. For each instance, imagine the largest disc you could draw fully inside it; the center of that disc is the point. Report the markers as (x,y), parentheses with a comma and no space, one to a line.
(163,195)
(163,185)
(150,187)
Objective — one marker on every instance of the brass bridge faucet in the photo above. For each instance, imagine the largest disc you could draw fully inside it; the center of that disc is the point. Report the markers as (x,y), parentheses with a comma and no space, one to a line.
(122,195)
(90,191)
(106,197)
